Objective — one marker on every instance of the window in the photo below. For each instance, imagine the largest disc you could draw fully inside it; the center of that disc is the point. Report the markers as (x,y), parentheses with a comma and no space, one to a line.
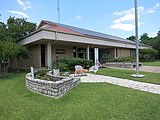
(132,52)
(60,51)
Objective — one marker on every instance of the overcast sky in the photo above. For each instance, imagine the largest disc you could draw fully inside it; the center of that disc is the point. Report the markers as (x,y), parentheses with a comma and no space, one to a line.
(115,17)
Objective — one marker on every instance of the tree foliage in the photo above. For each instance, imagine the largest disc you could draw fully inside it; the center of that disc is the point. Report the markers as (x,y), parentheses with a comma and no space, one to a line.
(8,50)
(132,38)
(145,39)
(15,29)
(148,55)
(151,41)
(156,44)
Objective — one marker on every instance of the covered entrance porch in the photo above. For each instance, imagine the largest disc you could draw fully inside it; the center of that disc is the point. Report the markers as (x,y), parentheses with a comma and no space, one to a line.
(46,51)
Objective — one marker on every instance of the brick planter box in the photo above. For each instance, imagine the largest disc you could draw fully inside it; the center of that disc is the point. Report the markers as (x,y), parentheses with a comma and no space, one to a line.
(55,89)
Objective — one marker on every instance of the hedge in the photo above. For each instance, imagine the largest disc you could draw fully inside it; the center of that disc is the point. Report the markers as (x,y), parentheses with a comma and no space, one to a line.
(147,55)
(67,64)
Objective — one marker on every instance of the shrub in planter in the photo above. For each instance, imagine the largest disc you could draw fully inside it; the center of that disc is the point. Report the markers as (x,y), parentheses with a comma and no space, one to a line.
(62,66)
(41,74)
(147,55)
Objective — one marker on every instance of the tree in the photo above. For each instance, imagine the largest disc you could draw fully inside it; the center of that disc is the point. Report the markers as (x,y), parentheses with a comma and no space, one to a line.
(148,55)
(156,44)
(132,38)
(8,50)
(158,34)
(145,39)
(16,28)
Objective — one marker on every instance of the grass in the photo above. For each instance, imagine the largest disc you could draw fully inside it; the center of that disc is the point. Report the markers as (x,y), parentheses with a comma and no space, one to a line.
(156,63)
(126,74)
(87,101)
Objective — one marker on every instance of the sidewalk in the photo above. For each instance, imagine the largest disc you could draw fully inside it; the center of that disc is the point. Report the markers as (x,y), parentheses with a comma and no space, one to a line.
(150,69)
(152,88)
(153,69)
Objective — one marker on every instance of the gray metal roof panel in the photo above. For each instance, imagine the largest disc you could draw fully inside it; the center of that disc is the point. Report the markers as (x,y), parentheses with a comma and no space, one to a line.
(95,34)
(92,33)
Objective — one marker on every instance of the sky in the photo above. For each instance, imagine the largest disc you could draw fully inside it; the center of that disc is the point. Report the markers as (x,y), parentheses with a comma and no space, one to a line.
(114,17)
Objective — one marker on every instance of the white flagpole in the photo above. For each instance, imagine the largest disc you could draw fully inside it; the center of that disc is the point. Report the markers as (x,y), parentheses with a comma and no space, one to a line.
(137,43)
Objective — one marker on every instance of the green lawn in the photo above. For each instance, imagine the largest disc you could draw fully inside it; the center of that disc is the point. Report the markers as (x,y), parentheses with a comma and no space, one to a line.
(156,63)
(126,74)
(87,101)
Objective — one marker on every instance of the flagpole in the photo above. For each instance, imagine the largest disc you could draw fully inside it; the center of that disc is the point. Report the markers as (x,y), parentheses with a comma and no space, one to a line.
(137,75)
(137,42)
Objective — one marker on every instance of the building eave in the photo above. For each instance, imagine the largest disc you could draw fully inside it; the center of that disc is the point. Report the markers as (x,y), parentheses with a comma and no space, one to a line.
(42,34)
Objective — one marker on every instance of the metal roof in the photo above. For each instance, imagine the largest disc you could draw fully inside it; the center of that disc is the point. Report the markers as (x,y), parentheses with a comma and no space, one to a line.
(91,33)
(95,34)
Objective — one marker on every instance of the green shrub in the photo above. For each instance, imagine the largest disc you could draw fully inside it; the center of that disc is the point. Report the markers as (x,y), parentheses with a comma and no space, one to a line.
(67,64)
(148,55)
(41,74)
(123,59)
(62,66)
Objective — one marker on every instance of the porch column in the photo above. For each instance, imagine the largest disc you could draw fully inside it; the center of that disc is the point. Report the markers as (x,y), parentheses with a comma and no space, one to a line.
(96,56)
(49,55)
(87,52)
(115,52)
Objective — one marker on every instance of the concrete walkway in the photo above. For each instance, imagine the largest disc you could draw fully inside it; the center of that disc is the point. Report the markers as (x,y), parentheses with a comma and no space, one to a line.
(152,88)
(153,69)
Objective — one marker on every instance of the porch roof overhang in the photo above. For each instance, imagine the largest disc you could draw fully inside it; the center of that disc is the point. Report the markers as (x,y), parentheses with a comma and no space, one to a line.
(51,35)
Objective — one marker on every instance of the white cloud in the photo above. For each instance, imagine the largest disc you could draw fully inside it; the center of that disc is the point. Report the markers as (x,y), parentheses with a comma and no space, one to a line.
(153,9)
(117,13)
(27,2)
(24,5)
(150,11)
(18,13)
(20,2)
(122,26)
(127,16)
(152,34)
(157,5)
(125,19)
(128,12)
(79,16)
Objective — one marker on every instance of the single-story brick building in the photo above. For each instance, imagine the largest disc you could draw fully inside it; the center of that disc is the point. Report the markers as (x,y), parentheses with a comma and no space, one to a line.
(51,39)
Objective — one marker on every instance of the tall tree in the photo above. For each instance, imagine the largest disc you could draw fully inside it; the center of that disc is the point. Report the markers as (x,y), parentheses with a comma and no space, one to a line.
(145,39)
(132,38)
(156,44)
(16,28)
(158,34)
